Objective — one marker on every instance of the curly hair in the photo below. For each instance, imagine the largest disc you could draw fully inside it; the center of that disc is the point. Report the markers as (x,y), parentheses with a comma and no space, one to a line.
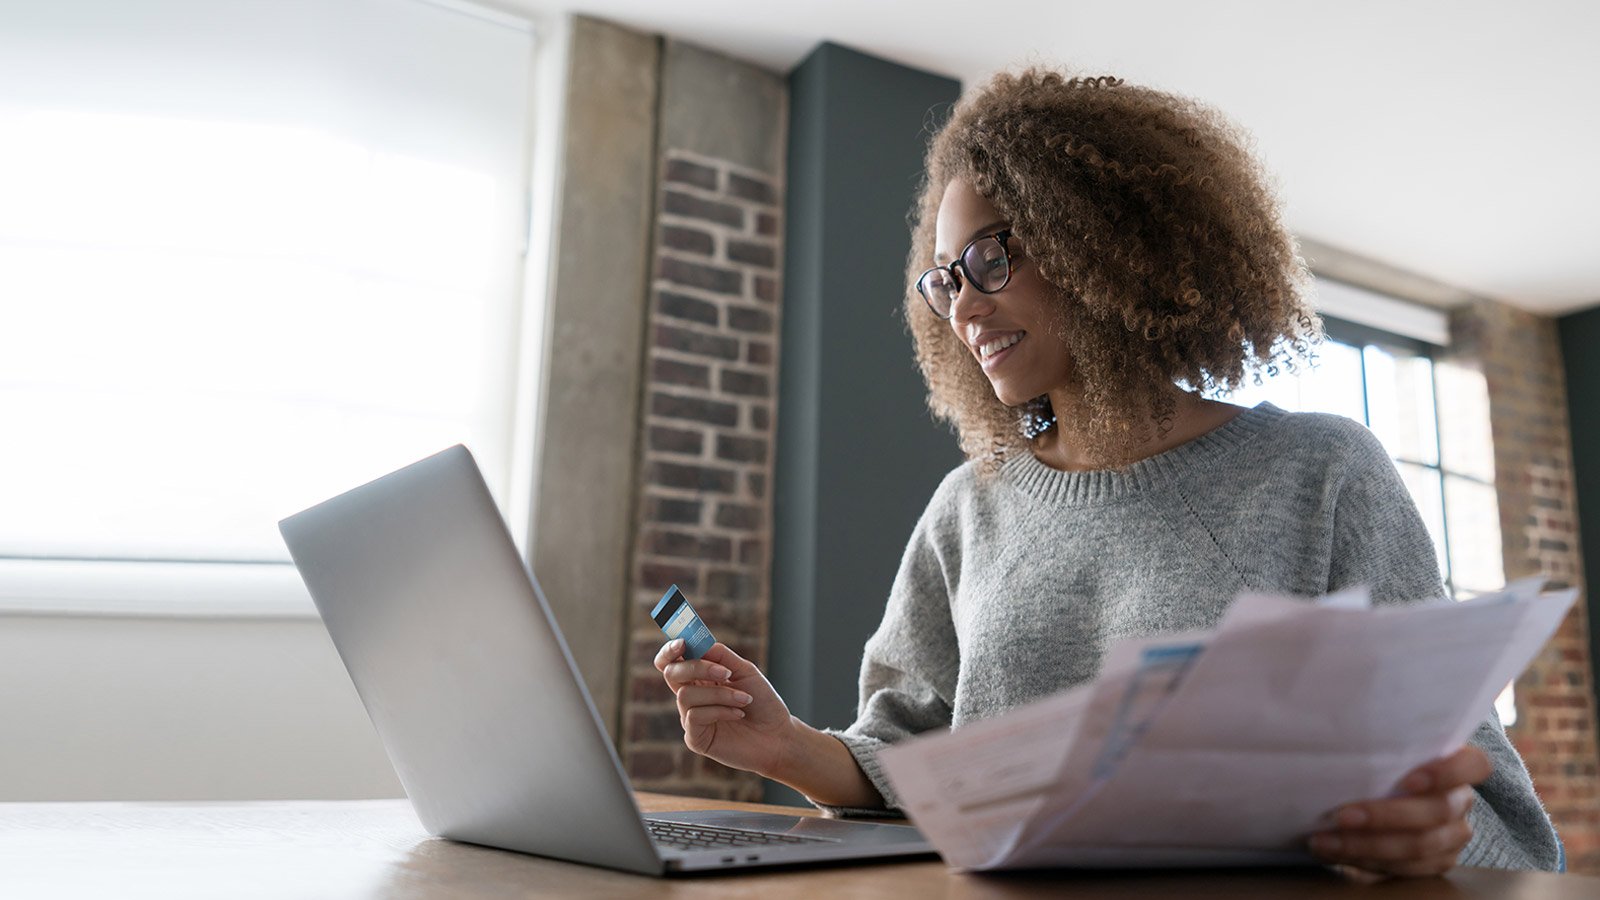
(1157,232)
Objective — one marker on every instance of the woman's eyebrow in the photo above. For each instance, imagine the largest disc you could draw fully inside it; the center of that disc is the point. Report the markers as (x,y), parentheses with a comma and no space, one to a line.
(940,256)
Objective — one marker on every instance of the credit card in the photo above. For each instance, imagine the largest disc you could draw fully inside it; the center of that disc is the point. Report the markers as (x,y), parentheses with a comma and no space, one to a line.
(677,619)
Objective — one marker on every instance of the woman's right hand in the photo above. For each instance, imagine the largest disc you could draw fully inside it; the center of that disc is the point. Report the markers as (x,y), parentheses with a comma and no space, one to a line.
(728,710)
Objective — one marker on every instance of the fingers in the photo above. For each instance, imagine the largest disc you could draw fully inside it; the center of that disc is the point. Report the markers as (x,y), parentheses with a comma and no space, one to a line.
(692,697)
(1407,813)
(701,716)
(679,671)
(694,671)
(1420,832)
(1427,851)
(1469,765)
(700,725)
(721,654)
(670,651)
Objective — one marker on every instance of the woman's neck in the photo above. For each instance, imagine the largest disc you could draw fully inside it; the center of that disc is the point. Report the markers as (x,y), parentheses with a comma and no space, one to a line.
(1192,416)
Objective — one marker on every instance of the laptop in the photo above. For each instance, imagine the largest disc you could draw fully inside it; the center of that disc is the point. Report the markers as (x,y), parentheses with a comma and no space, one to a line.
(474,694)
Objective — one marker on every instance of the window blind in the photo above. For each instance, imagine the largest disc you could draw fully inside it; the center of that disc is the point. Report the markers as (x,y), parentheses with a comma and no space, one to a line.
(251,254)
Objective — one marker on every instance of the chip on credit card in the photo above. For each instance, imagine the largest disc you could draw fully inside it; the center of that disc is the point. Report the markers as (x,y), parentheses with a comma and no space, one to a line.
(677,619)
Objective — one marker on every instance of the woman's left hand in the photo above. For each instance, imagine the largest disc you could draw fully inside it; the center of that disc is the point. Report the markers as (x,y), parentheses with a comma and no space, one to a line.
(1419,832)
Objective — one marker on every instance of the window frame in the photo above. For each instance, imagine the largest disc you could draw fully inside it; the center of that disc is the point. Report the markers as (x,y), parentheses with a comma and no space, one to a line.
(1363,336)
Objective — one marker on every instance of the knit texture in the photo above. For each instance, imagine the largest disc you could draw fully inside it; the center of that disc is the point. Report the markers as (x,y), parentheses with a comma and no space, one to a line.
(1013,586)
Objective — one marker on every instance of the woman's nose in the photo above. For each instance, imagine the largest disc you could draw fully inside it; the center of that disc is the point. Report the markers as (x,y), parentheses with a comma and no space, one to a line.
(969,303)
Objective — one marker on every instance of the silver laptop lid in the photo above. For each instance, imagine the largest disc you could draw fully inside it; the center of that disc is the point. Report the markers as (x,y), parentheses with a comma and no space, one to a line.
(470,685)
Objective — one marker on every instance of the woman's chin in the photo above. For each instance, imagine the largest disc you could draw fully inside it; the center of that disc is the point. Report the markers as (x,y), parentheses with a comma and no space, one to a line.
(1010,396)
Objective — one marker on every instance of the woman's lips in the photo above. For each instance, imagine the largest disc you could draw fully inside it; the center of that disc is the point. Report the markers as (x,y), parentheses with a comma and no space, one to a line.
(990,362)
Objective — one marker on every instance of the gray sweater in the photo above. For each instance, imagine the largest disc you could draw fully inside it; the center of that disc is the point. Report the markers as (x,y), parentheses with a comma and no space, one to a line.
(1014,585)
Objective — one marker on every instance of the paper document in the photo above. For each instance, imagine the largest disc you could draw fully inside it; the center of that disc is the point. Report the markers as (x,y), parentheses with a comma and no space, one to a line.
(1228,747)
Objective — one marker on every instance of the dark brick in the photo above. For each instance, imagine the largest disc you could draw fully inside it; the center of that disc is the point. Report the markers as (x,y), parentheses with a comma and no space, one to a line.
(656,725)
(719,775)
(752,254)
(737,449)
(751,552)
(748,318)
(643,688)
(760,418)
(748,188)
(758,352)
(653,763)
(732,585)
(670,371)
(660,576)
(698,478)
(766,223)
(692,240)
(671,510)
(685,172)
(684,341)
(737,515)
(738,621)
(672,406)
(757,482)
(692,207)
(748,384)
(765,289)
(691,309)
(698,275)
(676,440)
(688,546)
(641,653)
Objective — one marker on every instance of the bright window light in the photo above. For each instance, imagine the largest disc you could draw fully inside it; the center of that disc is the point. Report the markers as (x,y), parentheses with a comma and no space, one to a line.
(224,305)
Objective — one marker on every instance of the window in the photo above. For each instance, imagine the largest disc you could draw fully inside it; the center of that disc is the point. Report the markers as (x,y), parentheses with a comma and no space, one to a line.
(1432,415)
(250,255)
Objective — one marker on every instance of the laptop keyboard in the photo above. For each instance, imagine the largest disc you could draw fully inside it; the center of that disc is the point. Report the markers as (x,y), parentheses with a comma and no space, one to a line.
(706,837)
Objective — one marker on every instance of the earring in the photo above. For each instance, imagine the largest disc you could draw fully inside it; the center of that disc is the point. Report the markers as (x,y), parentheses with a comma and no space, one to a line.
(1037,417)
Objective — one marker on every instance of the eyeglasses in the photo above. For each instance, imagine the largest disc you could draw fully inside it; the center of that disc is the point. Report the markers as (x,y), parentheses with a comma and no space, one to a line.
(986,264)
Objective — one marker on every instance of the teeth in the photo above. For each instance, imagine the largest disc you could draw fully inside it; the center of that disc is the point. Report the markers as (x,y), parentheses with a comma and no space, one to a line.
(993,347)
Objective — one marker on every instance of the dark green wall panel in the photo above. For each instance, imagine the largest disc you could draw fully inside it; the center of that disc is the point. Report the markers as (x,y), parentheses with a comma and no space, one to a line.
(858,455)
(1580,349)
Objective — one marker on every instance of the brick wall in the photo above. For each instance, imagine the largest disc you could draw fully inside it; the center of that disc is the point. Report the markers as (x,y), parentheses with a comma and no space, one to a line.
(705,509)
(1520,357)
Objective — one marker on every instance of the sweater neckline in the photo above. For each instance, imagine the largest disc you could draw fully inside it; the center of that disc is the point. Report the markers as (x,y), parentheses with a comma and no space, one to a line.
(1081,488)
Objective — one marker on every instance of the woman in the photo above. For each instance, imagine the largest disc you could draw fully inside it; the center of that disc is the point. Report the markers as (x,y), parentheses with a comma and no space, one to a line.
(1101,255)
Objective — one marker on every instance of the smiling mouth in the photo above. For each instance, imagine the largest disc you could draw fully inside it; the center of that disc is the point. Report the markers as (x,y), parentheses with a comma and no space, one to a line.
(990,354)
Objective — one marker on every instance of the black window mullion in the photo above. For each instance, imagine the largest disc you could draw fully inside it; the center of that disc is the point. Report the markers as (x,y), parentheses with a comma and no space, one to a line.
(1444,503)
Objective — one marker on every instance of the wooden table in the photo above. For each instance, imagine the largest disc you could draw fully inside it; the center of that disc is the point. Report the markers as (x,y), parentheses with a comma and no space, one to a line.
(376,848)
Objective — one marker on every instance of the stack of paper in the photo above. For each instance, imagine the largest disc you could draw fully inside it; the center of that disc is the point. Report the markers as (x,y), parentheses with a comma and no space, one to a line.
(1227,747)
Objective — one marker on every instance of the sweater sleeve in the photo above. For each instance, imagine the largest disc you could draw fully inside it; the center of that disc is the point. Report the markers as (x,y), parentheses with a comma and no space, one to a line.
(909,666)
(1379,540)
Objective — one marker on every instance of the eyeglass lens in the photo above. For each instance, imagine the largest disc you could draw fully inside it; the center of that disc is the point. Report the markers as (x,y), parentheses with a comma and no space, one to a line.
(983,260)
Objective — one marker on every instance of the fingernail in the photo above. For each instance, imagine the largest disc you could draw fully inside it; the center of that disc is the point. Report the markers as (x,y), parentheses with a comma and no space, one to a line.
(1351,817)
(721,673)
(1325,843)
(742,697)
(677,644)
(1417,782)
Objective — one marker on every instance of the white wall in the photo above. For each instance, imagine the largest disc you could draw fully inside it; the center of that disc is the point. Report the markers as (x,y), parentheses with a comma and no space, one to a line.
(172,709)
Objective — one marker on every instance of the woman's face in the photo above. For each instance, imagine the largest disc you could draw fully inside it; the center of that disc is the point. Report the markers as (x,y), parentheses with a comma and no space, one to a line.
(1008,332)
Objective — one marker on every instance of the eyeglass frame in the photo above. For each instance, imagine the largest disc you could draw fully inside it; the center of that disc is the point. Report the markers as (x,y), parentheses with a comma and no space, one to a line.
(1001,236)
